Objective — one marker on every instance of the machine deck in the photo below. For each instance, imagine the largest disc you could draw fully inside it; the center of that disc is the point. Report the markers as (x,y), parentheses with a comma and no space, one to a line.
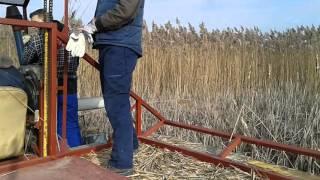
(71,168)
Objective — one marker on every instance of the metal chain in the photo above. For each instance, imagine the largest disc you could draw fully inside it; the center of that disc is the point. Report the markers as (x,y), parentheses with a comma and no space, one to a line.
(50,10)
(45,7)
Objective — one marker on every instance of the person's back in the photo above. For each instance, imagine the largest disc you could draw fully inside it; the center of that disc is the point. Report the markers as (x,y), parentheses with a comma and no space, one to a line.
(120,26)
(9,75)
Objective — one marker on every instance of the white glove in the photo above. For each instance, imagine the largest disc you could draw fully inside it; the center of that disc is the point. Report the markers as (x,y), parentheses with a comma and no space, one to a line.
(88,30)
(77,45)
(90,27)
(26,38)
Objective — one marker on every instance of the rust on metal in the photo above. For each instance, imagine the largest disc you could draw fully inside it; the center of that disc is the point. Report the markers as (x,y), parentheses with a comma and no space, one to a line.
(9,166)
(232,146)
(205,157)
(26,23)
(79,151)
(153,129)
(65,100)
(133,107)
(265,143)
(40,123)
(138,117)
(65,168)
(52,124)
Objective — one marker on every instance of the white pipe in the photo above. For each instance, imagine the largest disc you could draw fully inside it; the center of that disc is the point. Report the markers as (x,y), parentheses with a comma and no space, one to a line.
(90,103)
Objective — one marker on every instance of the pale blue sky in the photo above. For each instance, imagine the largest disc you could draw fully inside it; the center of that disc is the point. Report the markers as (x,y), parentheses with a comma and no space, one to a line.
(216,14)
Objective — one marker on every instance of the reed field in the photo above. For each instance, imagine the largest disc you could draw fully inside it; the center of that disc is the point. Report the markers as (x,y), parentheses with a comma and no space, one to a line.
(259,84)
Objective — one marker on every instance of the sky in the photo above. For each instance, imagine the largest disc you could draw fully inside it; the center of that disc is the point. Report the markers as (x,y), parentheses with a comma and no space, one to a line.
(216,14)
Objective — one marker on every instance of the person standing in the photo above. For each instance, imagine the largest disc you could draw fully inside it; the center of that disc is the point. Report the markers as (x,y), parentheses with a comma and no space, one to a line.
(119,41)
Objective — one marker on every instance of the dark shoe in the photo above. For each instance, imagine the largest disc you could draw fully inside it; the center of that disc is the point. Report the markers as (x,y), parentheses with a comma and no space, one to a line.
(123,172)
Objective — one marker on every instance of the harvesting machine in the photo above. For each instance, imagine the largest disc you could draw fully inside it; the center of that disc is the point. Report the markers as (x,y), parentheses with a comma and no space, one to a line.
(53,159)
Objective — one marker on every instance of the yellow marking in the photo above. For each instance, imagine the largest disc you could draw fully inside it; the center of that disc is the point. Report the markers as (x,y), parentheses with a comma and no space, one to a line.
(46,96)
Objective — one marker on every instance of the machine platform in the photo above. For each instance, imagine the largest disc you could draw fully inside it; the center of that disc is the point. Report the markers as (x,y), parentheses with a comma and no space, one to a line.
(71,168)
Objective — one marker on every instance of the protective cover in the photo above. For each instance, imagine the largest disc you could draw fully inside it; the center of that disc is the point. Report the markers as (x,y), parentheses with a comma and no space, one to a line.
(12,121)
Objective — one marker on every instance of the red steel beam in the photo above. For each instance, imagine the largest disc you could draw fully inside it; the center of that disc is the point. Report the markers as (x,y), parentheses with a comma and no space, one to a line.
(198,129)
(40,123)
(7,168)
(65,100)
(232,146)
(23,164)
(138,117)
(153,129)
(265,143)
(26,23)
(85,150)
(52,123)
(205,157)
(147,106)
(133,107)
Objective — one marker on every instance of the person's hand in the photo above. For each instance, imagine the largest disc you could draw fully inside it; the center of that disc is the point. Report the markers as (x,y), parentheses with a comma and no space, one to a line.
(89,30)
(76,45)
(26,39)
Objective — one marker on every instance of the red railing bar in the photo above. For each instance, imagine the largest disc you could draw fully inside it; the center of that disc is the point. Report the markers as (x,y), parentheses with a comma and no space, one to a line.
(198,129)
(133,107)
(138,117)
(265,143)
(205,157)
(85,150)
(153,129)
(23,164)
(232,146)
(52,113)
(7,168)
(26,23)
(147,106)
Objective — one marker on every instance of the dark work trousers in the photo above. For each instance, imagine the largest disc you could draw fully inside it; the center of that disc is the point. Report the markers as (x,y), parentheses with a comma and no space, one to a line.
(73,130)
(116,67)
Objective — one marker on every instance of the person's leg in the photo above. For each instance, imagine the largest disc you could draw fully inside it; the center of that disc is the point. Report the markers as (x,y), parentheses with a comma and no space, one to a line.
(117,65)
(73,129)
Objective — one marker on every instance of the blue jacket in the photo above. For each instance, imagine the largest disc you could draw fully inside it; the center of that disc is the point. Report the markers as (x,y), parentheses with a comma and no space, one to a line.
(129,33)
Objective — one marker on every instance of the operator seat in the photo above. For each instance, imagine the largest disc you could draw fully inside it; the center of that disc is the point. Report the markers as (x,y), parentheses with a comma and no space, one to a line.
(13,111)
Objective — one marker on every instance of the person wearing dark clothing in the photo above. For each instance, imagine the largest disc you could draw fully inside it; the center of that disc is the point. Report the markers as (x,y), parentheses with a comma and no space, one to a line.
(33,53)
(118,39)
(9,75)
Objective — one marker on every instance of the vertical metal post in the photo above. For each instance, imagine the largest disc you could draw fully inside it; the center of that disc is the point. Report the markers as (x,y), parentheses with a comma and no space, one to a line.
(66,17)
(65,100)
(40,125)
(52,150)
(139,116)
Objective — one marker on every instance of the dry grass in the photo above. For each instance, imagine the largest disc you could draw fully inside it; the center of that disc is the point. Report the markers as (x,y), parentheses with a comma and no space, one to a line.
(153,164)
(268,82)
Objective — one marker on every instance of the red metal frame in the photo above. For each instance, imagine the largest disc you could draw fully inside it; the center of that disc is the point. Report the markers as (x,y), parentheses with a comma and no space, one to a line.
(140,104)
